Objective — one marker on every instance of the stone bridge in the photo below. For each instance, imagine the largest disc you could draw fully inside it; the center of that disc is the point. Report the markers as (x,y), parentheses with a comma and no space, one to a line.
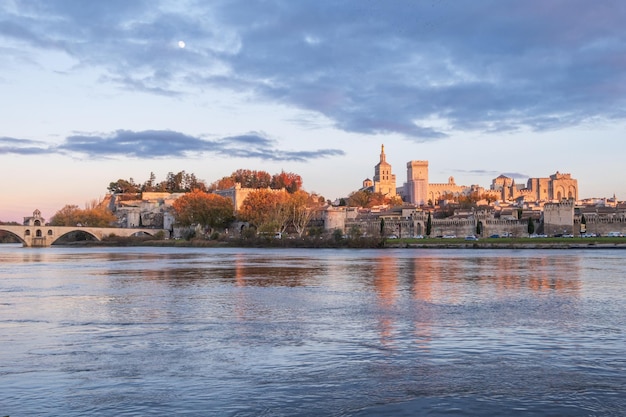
(43,236)
(36,233)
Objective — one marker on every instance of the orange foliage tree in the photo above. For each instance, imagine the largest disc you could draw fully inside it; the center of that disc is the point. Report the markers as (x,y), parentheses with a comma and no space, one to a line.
(266,209)
(302,206)
(259,179)
(204,209)
(288,180)
(94,216)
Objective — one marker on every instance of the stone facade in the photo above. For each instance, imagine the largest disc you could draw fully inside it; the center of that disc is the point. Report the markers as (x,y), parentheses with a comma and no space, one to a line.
(153,210)
(416,188)
(236,194)
(556,187)
(384,180)
(437,191)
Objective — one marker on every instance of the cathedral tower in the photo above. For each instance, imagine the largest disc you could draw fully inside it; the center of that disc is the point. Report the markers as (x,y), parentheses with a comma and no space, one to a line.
(384,180)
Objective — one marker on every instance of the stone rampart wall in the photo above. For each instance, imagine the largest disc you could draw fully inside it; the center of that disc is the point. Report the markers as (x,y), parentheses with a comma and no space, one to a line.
(602,225)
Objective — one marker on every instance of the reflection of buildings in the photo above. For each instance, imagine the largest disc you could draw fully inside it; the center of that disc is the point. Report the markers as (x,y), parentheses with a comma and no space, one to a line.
(386,284)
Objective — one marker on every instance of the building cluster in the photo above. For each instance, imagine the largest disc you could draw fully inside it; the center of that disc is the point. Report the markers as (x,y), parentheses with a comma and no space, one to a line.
(504,208)
(418,191)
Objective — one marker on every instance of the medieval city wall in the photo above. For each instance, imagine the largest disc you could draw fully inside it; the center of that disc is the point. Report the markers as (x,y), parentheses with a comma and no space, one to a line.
(602,225)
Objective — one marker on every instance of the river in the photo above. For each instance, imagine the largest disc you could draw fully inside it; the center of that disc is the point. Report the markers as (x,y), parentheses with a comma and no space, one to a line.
(263,332)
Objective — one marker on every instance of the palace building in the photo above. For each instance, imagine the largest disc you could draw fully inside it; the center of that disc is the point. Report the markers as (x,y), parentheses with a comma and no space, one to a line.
(418,191)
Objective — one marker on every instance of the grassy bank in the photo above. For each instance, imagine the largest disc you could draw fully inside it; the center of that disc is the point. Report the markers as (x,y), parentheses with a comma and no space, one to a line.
(512,243)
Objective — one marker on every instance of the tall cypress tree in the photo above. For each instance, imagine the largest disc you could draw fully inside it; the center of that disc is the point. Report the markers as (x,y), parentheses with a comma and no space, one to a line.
(429,225)
(531,226)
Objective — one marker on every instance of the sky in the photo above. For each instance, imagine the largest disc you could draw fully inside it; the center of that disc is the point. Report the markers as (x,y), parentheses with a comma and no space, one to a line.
(95,91)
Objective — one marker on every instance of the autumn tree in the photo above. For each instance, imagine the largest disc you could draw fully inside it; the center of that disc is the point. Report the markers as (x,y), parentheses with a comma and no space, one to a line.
(359,198)
(288,180)
(266,209)
(302,206)
(367,199)
(67,216)
(223,183)
(204,209)
(259,179)
(174,183)
(252,178)
(396,200)
(94,215)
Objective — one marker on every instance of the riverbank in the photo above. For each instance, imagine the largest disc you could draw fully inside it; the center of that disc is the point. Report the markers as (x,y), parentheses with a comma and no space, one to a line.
(372,243)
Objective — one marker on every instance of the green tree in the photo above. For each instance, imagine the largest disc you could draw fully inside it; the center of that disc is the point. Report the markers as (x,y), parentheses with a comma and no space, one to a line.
(123,187)
(479,228)
(531,226)
(429,224)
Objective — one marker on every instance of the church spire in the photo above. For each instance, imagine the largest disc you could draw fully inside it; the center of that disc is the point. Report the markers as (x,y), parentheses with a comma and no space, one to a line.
(382,153)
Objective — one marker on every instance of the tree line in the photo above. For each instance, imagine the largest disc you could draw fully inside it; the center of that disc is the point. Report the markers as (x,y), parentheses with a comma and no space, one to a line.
(183,182)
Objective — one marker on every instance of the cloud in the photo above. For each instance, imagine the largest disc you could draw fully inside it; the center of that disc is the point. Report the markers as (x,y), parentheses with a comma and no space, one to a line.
(169,144)
(22,147)
(368,67)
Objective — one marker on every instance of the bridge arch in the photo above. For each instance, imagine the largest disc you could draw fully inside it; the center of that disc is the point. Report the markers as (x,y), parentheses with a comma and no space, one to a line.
(78,229)
(15,235)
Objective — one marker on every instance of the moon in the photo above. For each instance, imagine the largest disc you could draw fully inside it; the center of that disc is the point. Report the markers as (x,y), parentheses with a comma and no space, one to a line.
(181,44)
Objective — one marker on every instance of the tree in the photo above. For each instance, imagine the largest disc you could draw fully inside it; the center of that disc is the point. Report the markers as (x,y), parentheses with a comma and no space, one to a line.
(266,209)
(95,215)
(531,226)
(479,228)
(223,183)
(149,185)
(252,179)
(288,180)
(204,209)
(429,224)
(123,187)
(67,216)
(359,198)
(302,206)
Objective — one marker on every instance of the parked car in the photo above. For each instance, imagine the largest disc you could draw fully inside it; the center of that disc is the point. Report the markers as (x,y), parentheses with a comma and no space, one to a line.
(471,237)
(615,234)
(496,236)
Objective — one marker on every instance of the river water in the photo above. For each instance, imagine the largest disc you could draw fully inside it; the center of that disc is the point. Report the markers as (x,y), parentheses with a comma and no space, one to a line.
(261,332)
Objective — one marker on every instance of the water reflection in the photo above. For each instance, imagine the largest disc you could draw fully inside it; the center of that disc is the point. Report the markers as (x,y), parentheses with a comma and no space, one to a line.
(312,332)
